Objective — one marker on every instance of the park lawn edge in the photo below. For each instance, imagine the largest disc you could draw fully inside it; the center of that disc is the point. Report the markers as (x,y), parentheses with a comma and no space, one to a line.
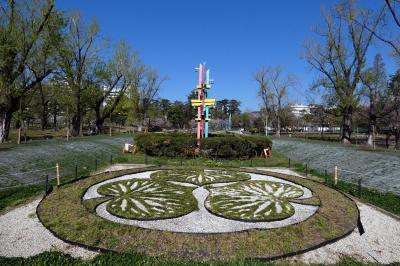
(77,225)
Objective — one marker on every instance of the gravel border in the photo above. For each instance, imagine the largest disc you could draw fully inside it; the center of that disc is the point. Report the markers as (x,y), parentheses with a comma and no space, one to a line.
(22,235)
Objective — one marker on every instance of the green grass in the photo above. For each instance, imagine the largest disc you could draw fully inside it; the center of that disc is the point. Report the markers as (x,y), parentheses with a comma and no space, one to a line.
(113,258)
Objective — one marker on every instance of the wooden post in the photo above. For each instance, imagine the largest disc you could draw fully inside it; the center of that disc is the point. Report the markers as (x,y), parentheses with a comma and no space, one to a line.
(58,174)
(20,122)
(326,177)
(24,131)
(289,162)
(67,133)
(19,134)
(46,185)
(110,131)
(336,175)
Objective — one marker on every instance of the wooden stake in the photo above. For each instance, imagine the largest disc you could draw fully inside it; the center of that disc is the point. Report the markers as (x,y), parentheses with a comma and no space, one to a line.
(58,174)
(336,175)
(67,134)
(19,134)
(110,131)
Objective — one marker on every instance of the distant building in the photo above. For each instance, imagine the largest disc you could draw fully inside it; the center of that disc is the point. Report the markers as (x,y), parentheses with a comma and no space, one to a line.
(300,110)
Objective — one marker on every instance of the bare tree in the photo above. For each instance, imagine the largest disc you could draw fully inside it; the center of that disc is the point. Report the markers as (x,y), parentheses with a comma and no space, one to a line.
(273,89)
(29,35)
(340,56)
(265,93)
(143,93)
(375,92)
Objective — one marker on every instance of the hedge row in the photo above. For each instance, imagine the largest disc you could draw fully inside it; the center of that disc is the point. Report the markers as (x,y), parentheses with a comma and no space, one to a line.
(216,146)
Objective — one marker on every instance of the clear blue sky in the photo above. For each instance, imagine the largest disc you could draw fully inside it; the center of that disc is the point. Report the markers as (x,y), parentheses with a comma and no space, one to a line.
(234,38)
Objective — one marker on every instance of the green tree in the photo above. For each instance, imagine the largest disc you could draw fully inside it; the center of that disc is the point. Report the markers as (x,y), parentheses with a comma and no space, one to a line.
(179,114)
(77,59)
(29,35)
(111,81)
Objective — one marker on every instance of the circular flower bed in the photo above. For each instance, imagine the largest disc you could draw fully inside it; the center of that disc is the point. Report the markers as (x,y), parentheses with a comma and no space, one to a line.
(169,213)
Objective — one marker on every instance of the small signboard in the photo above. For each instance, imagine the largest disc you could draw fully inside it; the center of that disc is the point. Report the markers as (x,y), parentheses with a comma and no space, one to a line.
(266,153)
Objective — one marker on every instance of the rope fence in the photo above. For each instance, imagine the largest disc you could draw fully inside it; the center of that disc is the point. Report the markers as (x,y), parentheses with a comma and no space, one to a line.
(61,170)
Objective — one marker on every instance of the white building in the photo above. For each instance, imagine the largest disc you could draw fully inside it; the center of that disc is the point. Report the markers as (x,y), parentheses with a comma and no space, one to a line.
(300,110)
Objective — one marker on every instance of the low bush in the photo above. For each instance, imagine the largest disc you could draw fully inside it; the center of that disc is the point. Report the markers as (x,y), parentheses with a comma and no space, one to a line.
(216,146)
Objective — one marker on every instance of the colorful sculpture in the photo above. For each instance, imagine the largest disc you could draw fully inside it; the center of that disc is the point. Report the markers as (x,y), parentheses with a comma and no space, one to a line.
(202,103)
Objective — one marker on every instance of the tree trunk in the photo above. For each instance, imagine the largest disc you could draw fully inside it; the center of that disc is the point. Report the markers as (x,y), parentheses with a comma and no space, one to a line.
(76,125)
(99,125)
(278,126)
(43,118)
(397,139)
(371,135)
(5,121)
(77,118)
(372,119)
(346,125)
(55,121)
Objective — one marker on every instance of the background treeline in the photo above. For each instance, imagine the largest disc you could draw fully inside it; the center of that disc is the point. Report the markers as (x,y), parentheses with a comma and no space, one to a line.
(352,92)
(56,66)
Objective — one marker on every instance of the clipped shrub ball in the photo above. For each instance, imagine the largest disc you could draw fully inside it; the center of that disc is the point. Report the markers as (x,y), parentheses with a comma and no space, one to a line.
(215,146)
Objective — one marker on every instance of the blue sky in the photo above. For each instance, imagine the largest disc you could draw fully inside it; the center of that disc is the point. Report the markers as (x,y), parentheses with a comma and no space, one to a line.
(234,38)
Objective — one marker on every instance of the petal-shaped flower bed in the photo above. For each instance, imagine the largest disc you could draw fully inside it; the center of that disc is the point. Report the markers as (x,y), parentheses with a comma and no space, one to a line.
(253,200)
(200,177)
(148,199)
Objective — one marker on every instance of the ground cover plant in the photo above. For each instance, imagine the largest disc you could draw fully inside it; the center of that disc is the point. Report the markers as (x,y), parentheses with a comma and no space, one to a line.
(378,170)
(200,176)
(253,200)
(148,199)
(64,214)
(22,164)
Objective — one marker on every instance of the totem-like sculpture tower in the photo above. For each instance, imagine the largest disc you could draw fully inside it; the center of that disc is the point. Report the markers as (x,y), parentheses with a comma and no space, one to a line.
(202,103)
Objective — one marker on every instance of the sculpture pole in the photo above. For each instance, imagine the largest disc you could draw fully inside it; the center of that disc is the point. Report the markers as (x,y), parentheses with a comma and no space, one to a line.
(202,103)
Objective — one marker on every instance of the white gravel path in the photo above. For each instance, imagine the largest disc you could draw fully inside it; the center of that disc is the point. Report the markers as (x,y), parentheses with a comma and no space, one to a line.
(22,235)
(380,242)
